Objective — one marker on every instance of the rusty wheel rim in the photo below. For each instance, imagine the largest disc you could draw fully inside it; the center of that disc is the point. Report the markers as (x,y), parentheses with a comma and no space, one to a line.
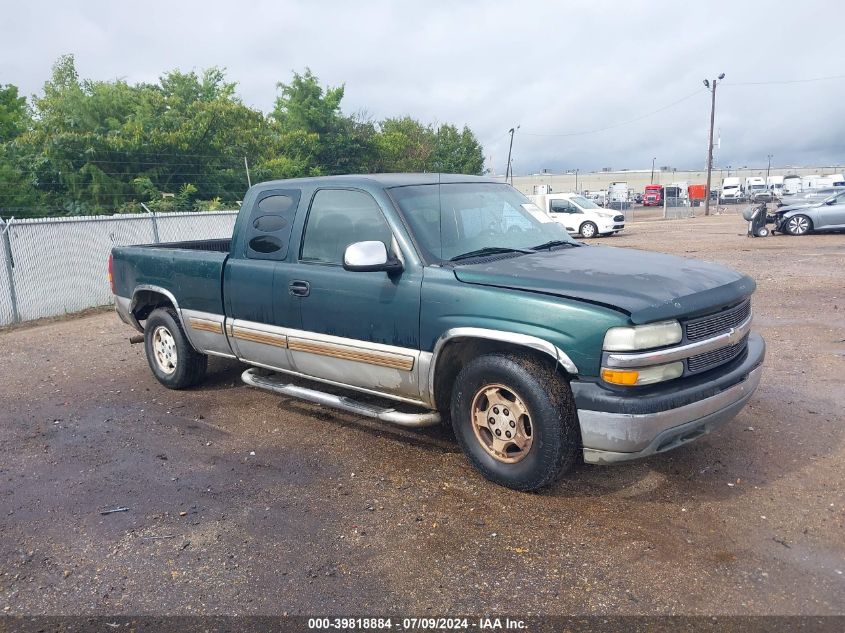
(502,424)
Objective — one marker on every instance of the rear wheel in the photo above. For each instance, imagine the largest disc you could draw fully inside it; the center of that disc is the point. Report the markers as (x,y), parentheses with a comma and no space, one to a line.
(515,419)
(173,361)
(762,232)
(588,230)
(798,225)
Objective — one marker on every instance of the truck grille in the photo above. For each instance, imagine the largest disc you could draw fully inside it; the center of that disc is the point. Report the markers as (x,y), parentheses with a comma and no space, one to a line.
(714,324)
(716,357)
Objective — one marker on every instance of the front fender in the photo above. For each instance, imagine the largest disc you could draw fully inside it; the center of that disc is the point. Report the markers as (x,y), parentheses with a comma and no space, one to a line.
(568,330)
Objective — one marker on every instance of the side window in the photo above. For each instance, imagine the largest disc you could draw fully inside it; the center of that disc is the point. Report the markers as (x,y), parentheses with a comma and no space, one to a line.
(338,218)
(268,233)
(558,206)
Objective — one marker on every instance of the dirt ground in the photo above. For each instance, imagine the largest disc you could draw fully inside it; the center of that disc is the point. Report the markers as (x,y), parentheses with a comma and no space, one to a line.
(240,502)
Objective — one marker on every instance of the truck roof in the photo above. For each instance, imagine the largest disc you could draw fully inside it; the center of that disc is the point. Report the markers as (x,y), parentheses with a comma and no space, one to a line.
(381,180)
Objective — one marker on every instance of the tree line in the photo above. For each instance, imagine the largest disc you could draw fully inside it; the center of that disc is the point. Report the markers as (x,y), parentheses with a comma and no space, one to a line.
(184,143)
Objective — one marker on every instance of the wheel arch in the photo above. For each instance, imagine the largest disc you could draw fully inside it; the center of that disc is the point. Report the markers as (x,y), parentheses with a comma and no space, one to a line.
(147,298)
(458,345)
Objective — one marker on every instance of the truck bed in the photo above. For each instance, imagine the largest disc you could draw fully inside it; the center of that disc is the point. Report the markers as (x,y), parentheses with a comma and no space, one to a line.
(191,271)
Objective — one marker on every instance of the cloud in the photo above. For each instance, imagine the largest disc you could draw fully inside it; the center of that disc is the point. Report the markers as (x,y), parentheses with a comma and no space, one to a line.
(553,68)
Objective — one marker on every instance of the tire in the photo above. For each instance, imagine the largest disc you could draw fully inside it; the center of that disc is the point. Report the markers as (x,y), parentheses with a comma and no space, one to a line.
(588,230)
(762,232)
(798,225)
(526,398)
(173,361)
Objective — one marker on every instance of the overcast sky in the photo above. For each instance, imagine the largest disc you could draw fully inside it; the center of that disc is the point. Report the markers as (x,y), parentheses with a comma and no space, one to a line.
(554,68)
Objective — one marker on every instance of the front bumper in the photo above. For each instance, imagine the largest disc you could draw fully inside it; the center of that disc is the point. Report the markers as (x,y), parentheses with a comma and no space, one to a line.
(617,427)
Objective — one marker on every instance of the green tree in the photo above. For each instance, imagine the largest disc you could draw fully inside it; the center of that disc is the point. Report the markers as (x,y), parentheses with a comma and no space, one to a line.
(85,146)
(314,136)
(13,113)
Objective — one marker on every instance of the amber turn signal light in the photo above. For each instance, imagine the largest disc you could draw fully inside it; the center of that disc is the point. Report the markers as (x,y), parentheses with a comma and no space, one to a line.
(620,376)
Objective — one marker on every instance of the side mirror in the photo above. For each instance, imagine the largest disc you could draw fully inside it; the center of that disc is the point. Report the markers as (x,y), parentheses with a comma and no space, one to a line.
(370,256)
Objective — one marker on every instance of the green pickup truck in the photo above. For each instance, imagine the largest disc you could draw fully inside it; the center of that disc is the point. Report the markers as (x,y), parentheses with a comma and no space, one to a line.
(456,298)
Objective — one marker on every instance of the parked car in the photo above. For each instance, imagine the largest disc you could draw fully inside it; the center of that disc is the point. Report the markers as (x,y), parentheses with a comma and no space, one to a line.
(461,299)
(579,215)
(814,215)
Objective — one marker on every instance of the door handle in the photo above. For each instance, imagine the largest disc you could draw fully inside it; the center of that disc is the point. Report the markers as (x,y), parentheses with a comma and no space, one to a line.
(299,288)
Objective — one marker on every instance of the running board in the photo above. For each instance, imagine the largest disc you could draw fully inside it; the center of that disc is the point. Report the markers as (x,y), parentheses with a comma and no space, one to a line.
(271,382)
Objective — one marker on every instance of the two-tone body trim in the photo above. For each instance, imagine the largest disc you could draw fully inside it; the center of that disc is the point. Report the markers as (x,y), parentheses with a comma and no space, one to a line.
(402,361)
(205,331)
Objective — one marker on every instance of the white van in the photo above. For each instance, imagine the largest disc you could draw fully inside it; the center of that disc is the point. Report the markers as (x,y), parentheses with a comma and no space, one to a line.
(579,215)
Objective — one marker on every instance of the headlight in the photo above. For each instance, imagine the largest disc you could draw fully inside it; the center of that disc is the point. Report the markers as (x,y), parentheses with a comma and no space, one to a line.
(643,376)
(628,339)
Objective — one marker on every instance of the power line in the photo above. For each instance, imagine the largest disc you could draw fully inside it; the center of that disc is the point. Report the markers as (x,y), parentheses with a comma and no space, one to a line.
(615,125)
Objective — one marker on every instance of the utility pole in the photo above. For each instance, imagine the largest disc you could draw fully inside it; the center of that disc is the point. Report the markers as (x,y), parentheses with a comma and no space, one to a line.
(710,144)
(509,169)
(652,170)
(768,169)
(248,179)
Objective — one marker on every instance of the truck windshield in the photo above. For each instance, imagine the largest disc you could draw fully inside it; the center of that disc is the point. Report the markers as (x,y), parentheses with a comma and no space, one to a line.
(451,220)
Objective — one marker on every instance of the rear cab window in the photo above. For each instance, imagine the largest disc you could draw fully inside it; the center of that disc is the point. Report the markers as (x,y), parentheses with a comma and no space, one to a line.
(270,223)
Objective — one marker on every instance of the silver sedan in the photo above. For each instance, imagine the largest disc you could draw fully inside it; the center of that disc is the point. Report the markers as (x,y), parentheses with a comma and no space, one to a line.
(821,215)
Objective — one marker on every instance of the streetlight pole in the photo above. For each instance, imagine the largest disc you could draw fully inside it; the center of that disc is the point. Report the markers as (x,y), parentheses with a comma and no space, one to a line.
(576,181)
(652,169)
(710,144)
(509,170)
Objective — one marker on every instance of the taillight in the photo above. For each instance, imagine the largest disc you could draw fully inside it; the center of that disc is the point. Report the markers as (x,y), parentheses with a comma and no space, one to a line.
(111,274)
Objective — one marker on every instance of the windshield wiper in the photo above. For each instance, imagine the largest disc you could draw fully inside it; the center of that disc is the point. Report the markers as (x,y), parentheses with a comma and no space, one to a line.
(552,243)
(489,250)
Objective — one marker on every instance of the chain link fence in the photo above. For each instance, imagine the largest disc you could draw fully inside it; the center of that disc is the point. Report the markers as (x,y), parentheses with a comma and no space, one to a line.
(53,266)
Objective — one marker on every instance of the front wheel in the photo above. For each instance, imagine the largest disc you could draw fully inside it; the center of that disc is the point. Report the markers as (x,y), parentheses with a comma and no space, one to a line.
(588,230)
(173,361)
(798,225)
(515,419)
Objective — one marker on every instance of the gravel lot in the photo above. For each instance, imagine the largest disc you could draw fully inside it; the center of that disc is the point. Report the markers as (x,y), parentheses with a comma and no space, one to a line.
(240,502)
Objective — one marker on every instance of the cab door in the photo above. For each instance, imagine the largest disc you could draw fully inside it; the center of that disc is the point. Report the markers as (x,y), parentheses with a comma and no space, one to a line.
(259,308)
(358,328)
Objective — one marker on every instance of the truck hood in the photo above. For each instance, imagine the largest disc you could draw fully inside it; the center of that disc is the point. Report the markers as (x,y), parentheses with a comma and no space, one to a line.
(647,286)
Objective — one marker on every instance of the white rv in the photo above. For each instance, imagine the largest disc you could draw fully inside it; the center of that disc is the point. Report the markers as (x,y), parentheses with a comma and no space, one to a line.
(810,182)
(618,192)
(833,180)
(791,185)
